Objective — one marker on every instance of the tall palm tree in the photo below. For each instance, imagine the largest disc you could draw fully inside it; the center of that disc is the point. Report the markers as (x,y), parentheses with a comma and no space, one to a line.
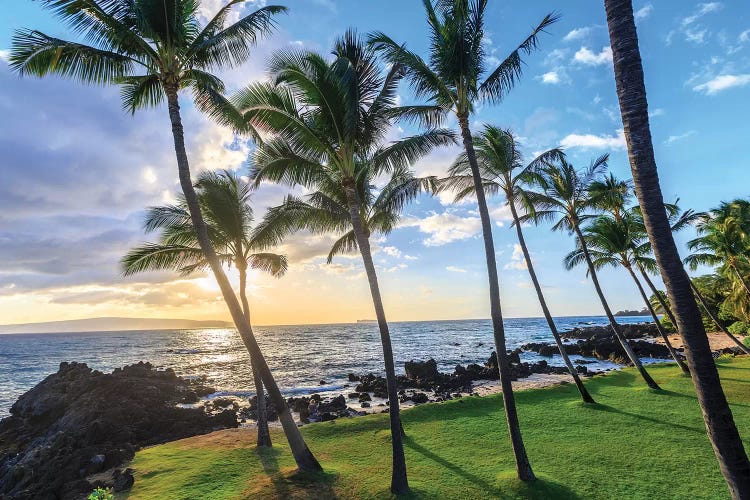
(503,172)
(330,121)
(225,203)
(563,197)
(154,49)
(631,93)
(611,243)
(456,80)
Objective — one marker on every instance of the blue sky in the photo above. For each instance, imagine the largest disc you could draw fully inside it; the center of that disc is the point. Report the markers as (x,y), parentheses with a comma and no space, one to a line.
(78,171)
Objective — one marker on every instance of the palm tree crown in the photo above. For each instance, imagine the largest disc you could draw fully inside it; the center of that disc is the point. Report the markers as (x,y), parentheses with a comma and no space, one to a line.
(224,200)
(147,47)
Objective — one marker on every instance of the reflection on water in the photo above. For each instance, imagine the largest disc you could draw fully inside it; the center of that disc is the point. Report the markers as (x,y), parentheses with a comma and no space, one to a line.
(301,357)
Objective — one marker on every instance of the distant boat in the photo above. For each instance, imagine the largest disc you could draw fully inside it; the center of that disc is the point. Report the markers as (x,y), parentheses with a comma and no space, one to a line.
(367,321)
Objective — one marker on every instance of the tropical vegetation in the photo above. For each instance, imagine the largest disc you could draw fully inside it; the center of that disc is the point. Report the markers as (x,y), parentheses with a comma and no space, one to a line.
(324,126)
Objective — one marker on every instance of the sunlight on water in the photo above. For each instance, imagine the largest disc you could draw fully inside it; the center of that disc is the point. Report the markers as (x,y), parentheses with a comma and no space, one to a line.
(300,356)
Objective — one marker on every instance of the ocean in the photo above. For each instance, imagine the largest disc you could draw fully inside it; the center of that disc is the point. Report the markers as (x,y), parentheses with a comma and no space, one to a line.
(304,358)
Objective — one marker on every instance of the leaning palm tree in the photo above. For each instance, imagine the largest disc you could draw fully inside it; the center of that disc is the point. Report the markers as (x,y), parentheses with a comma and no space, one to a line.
(631,93)
(225,203)
(612,243)
(153,49)
(612,195)
(456,80)
(503,172)
(563,197)
(329,121)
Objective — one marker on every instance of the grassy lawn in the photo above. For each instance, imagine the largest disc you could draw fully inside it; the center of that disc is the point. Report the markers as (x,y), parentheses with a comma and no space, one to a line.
(635,443)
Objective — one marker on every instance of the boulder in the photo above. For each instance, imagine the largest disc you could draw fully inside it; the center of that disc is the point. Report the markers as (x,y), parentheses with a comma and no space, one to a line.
(421,370)
(80,421)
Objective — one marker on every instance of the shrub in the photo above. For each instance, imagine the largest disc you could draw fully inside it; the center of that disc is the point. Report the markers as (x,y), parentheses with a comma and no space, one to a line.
(739,328)
(102,494)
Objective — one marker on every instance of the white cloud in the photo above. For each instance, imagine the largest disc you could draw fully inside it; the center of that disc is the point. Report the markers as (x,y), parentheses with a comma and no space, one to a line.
(410,257)
(656,112)
(149,176)
(587,57)
(591,141)
(722,82)
(392,251)
(643,12)
(4,54)
(577,34)
(703,9)
(445,227)
(675,138)
(517,260)
(455,269)
(550,78)
(743,38)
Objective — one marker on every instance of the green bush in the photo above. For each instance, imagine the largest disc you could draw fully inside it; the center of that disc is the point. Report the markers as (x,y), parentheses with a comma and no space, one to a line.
(666,324)
(746,341)
(739,328)
(102,494)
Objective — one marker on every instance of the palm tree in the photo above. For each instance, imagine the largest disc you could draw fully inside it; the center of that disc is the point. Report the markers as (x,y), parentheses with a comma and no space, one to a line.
(613,195)
(329,122)
(722,242)
(152,50)
(631,92)
(612,243)
(456,80)
(563,197)
(225,203)
(503,171)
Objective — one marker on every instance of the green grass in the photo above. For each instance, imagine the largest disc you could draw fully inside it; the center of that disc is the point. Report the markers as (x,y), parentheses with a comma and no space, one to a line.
(636,443)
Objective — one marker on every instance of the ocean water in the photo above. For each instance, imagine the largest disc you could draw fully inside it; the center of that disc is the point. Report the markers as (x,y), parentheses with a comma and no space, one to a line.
(301,356)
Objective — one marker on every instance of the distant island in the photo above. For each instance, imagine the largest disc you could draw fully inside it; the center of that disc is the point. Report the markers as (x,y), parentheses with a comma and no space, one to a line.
(110,325)
(628,312)
(367,321)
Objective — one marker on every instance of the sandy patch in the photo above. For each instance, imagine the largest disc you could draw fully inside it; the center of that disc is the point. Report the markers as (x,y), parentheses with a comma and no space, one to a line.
(717,340)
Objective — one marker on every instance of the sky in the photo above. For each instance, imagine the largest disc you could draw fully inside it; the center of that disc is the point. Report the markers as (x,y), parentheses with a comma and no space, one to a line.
(77,172)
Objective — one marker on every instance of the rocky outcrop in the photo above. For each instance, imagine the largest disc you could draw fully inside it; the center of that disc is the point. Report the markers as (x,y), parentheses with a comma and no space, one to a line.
(78,422)
(629,331)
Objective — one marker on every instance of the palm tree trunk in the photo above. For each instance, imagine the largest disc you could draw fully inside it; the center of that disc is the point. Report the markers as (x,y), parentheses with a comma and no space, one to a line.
(716,320)
(523,467)
(306,461)
(615,327)
(672,351)
(399,479)
(264,435)
(547,315)
(631,93)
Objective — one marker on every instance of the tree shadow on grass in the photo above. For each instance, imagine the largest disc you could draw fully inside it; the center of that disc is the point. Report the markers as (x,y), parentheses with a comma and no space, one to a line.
(669,425)
(509,485)
(291,483)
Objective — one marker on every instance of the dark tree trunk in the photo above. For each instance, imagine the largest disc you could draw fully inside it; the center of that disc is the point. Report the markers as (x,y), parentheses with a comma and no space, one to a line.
(547,315)
(306,461)
(612,322)
(716,320)
(264,435)
(672,351)
(523,467)
(399,479)
(631,93)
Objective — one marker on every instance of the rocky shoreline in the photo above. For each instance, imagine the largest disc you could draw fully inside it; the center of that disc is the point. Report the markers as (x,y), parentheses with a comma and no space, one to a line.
(76,428)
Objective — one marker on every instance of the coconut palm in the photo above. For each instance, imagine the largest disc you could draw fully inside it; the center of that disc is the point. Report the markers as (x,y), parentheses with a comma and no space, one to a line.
(503,172)
(612,195)
(456,79)
(154,49)
(631,93)
(225,203)
(723,241)
(611,243)
(329,122)
(563,197)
